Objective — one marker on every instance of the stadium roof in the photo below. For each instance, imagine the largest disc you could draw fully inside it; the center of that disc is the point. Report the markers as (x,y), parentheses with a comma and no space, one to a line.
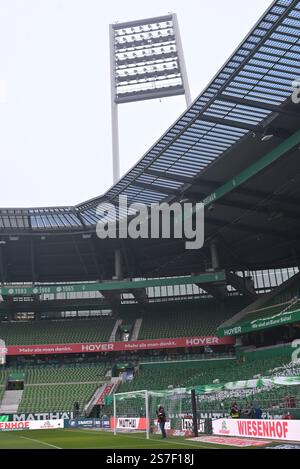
(243,125)
(278,308)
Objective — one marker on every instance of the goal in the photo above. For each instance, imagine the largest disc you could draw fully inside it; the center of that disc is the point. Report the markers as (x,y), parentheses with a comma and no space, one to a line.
(135,411)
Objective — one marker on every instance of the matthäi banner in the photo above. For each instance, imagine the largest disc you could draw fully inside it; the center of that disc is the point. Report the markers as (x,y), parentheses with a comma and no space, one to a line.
(129,423)
(64,415)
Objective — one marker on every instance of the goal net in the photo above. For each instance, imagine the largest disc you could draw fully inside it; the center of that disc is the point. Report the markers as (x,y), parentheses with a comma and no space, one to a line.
(136,412)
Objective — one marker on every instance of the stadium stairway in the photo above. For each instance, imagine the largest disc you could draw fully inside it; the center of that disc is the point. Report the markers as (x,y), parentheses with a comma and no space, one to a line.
(112,337)
(105,392)
(136,329)
(52,386)
(93,401)
(11,401)
(100,394)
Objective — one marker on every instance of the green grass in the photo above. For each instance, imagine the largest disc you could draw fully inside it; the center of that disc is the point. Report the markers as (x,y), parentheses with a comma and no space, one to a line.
(90,439)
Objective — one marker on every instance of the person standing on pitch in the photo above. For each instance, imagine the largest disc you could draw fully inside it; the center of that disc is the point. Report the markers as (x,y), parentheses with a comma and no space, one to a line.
(161,417)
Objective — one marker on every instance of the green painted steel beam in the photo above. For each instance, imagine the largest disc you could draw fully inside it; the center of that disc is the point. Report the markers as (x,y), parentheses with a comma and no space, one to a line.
(123,285)
(263,163)
(239,328)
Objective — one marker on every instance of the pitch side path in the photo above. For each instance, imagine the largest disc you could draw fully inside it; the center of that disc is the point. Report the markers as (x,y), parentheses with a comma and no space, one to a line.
(89,439)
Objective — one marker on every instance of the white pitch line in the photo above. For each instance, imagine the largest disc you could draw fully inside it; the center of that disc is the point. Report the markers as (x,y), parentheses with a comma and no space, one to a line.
(39,441)
(165,440)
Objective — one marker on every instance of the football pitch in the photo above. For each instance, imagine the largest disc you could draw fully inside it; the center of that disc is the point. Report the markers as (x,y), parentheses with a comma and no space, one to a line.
(90,439)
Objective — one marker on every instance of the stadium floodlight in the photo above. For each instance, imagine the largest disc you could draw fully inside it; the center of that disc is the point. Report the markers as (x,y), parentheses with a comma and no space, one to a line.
(149,42)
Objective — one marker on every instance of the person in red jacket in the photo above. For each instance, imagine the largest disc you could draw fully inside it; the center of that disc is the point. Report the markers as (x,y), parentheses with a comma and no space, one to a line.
(161,417)
(235,411)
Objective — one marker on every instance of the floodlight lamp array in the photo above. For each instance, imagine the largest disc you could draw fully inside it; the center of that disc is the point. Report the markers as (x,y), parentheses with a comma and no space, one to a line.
(146,60)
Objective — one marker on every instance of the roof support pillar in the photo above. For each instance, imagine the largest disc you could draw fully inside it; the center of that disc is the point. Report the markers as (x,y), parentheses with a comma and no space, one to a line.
(32,255)
(215,262)
(118,264)
(2,279)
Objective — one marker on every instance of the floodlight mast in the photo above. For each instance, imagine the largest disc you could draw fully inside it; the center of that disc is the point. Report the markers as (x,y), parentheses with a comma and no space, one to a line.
(185,81)
(147,62)
(114,109)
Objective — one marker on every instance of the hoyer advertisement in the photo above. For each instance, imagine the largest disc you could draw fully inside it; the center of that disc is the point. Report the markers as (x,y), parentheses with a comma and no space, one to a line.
(136,345)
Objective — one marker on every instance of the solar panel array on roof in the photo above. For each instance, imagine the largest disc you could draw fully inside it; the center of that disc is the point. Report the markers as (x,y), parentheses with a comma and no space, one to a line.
(247,91)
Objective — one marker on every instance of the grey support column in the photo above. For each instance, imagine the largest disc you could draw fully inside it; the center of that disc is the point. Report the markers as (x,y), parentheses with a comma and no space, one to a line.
(215,263)
(2,279)
(118,264)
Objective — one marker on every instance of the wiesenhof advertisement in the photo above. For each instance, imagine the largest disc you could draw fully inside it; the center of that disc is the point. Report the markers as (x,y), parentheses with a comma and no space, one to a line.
(288,430)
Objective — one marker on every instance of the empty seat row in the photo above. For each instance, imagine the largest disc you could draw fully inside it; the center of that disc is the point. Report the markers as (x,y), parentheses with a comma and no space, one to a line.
(56,332)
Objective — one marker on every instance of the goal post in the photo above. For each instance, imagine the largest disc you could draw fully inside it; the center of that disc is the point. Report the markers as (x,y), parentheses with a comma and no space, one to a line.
(147,415)
(136,411)
(131,412)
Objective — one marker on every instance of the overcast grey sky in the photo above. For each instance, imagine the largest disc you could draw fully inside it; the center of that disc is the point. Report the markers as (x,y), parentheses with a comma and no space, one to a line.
(55,141)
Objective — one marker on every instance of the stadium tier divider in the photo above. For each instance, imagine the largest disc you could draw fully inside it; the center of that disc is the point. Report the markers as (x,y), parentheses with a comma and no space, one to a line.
(174,319)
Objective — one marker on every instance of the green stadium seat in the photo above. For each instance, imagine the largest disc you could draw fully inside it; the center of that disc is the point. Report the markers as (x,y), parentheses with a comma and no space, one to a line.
(56,332)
